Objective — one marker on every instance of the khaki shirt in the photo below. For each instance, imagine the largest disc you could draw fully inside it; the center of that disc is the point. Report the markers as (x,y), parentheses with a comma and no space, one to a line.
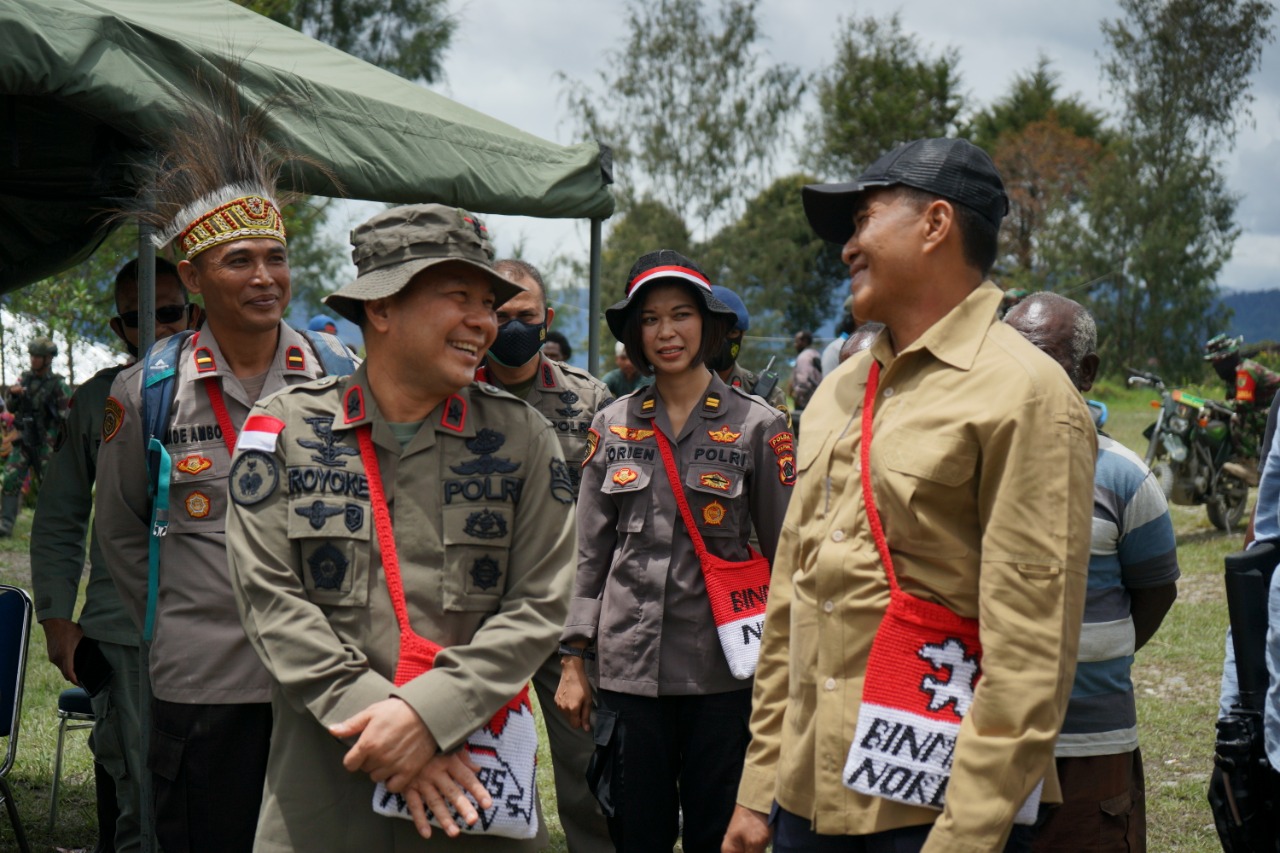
(569,398)
(199,654)
(639,593)
(982,464)
(481,507)
(61,523)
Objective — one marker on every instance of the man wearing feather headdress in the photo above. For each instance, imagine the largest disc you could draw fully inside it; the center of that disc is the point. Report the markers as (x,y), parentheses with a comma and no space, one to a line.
(212,193)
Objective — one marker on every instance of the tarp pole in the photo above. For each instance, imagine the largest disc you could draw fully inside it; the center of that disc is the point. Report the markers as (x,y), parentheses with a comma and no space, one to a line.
(146,288)
(593,305)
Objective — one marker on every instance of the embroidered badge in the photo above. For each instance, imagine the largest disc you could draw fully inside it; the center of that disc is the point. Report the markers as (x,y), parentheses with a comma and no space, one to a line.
(648,405)
(112,419)
(204,360)
(254,478)
(787,469)
(328,567)
(562,488)
(625,476)
(783,442)
(455,414)
(198,505)
(327,452)
(293,359)
(724,435)
(715,480)
(353,517)
(568,398)
(485,524)
(630,434)
(713,514)
(484,445)
(353,405)
(485,573)
(194,464)
(593,441)
(317,513)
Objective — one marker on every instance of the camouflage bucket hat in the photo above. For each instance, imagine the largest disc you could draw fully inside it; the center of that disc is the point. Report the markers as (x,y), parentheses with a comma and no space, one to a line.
(42,346)
(397,244)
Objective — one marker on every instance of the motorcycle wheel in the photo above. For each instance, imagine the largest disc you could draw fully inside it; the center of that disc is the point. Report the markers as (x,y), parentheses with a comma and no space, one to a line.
(1226,508)
(1163,472)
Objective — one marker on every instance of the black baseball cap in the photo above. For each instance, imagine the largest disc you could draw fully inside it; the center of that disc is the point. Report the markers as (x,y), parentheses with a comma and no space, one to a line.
(955,169)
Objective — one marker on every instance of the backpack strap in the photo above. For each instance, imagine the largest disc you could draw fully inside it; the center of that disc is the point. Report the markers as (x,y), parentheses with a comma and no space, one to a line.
(158,387)
(334,357)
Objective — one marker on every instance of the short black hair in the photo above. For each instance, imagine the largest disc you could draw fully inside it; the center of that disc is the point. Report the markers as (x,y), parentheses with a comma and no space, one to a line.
(514,268)
(128,274)
(556,337)
(978,237)
(715,327)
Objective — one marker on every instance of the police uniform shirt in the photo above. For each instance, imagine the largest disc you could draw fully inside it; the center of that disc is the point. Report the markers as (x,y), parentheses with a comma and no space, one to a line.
(639,592)
(481,508)
(199,654)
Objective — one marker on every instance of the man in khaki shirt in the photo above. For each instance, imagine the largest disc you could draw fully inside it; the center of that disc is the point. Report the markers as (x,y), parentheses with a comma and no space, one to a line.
(982,471)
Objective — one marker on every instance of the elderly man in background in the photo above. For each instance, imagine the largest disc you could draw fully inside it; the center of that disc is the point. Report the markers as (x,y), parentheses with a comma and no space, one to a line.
(1133,570)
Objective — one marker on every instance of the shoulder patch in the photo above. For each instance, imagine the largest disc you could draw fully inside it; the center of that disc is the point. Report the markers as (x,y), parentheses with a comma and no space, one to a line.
(260,432)
(112,419)
(593,442)
(254,477)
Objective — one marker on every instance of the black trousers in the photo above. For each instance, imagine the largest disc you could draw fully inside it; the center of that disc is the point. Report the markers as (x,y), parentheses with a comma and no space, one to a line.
(657,757)
(792,834)
(208,765)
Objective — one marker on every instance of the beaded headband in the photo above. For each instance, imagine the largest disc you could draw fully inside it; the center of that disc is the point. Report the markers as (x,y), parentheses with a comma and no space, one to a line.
(244,217)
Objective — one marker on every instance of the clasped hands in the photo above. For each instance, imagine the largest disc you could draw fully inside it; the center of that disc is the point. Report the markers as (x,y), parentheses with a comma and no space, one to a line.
(396,748)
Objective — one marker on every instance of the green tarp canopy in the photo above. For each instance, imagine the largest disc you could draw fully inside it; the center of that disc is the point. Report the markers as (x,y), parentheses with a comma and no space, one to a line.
(85,85)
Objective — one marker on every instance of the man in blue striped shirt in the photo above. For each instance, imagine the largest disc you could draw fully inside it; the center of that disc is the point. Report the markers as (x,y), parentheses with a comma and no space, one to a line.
(1133,567)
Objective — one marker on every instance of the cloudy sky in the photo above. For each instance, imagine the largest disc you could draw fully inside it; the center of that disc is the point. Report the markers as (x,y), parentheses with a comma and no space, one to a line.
(506,54)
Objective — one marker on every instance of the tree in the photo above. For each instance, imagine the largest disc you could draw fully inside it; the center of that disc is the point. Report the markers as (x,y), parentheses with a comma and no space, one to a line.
(1034,98)
(406,37)
(692,109)
(790,278)
(1160,220)
(880,90)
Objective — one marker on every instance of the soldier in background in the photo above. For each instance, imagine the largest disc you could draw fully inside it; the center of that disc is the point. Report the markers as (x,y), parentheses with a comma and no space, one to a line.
(1251,387)
(38,402)
(725,361)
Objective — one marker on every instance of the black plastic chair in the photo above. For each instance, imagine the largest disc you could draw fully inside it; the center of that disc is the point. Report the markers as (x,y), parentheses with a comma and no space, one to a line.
(15,633)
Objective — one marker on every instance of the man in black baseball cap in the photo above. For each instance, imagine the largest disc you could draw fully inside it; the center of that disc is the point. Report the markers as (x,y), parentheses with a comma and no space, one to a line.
(933,586)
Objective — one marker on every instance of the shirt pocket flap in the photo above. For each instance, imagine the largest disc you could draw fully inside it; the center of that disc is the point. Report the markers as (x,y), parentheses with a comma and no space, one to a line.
(715,480)
(311,517)
(478,524)
(624,477)
(944,459)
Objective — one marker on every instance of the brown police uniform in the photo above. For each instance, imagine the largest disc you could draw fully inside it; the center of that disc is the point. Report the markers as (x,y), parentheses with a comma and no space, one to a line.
(206,678)
(480,501)
(569,398)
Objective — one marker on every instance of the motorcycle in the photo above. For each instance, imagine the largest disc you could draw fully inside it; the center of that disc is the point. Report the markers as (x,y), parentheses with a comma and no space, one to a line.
(1187,446)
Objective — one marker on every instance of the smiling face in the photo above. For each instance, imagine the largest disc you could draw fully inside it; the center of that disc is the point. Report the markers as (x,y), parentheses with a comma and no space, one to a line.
(439,326)
(245,284)
(884,239)
(670,328)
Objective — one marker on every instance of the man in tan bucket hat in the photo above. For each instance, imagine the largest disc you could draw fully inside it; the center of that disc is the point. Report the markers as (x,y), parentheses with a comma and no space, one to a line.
(405,482)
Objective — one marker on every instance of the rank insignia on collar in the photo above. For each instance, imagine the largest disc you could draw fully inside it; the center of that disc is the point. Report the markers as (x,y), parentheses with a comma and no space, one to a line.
(317,513)
(485,573)
(204,360)
(454,416)
(712,403)
(593,441)
(194,464)
(353,405)
(627,433)
(713,514)
(736,381)
(724,435)
(648,405)
(293,359)
(625,476)
(198,505)
(548,376)
(715,480)
(328,567)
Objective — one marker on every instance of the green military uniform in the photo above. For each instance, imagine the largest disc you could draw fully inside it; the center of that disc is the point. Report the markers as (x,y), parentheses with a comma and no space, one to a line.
(740,377)
(1254,390)
(57,564)
(38,415)
(480,500)
(569,398)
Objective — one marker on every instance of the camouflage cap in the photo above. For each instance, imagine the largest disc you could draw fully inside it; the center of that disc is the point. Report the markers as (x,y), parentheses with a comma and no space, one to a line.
(42,346)
(397,244)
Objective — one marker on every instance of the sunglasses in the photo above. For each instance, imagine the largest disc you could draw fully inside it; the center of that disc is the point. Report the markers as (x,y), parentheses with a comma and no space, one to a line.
(165,315)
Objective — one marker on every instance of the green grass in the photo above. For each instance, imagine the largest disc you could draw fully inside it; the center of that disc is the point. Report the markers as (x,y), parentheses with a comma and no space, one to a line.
(1176,678)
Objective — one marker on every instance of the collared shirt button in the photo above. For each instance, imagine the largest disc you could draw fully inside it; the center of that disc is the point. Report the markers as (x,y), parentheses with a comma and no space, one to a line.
(888,392)
(831,684)
(828,606)
(837,535)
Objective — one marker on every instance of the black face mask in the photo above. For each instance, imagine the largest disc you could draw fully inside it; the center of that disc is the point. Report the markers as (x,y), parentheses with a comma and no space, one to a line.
(517,342)
(724,357)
